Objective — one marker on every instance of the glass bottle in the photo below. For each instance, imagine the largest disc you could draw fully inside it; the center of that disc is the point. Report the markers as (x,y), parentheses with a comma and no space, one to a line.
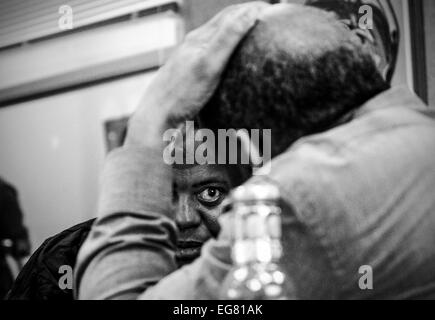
(256,247)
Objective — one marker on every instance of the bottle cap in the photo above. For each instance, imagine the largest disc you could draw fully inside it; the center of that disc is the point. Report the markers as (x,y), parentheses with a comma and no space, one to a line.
(255,191)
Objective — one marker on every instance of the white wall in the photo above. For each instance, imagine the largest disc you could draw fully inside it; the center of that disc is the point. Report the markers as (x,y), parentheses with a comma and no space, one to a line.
(52,149)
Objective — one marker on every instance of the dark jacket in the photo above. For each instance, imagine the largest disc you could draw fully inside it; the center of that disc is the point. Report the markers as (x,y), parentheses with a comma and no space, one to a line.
(39,279)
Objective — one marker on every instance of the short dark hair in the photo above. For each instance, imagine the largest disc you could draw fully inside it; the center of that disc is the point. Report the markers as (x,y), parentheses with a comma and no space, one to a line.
(293,94)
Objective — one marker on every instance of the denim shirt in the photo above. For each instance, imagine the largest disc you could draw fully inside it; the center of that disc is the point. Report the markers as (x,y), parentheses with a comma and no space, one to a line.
(358,197)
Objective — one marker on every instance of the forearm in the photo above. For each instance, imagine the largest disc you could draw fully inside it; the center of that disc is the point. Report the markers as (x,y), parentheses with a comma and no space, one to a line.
(201,280)
(131,245)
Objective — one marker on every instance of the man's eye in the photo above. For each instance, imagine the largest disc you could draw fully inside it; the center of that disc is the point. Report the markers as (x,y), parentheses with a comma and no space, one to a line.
(210,195)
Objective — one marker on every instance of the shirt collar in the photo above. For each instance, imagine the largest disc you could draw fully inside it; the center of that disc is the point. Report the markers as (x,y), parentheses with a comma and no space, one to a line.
(400,96)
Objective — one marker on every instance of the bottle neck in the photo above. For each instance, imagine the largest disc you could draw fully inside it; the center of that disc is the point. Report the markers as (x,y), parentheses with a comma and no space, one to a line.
(257,234)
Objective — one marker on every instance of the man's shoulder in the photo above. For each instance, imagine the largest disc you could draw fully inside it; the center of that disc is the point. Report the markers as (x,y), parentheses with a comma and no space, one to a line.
(386,116)
(382,120)
(364,187)
(79,230)
(65,245)
(389,140)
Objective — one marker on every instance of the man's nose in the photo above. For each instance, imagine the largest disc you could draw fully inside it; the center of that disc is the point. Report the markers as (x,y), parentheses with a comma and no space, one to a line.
(186,215)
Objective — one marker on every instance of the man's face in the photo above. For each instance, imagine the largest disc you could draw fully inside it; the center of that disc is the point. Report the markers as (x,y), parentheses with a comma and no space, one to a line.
(198,194)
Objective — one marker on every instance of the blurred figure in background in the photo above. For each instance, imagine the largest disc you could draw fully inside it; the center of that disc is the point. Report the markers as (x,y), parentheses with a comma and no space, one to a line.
(14,237)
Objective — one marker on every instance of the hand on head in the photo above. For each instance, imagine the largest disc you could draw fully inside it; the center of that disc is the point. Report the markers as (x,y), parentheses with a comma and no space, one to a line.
(189,78)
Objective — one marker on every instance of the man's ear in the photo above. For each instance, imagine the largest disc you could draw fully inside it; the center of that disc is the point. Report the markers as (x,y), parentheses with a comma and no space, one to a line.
(364,35)
(369,43)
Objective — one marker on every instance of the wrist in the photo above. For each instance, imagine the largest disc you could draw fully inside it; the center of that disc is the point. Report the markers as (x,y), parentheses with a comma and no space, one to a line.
(152,118)
(145,134)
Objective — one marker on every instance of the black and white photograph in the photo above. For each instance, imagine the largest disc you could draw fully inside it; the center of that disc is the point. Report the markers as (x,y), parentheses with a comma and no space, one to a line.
(222,150)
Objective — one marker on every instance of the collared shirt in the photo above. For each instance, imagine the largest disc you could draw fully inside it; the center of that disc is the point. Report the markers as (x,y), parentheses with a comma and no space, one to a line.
(359,195)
